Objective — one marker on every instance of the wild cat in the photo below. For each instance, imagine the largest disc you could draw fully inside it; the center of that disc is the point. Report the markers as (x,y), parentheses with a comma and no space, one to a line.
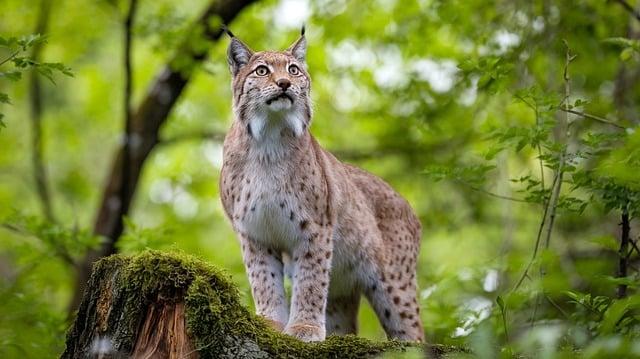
(336,230)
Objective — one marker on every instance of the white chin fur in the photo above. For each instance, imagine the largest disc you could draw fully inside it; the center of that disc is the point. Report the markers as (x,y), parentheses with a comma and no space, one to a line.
(267,125)
(280,105)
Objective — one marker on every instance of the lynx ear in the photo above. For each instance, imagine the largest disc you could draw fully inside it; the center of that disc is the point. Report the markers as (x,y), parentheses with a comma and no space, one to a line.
(238,54)
(299,48)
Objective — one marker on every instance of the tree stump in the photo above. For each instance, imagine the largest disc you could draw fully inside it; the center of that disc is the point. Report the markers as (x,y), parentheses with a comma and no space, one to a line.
(160,305)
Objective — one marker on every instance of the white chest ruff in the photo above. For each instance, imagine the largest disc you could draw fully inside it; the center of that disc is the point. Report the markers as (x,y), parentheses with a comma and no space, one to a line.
(269,216)
(269,212)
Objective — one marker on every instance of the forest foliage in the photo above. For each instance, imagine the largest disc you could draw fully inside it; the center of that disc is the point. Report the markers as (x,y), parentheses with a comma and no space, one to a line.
(509,125)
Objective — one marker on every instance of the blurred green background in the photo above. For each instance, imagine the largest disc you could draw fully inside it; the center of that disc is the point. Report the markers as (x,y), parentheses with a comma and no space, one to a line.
(459,105)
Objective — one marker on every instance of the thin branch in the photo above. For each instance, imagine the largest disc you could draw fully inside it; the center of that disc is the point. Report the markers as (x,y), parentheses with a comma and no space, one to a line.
(196,136)
(555,305)
(623,260)
(58,250)
(635,246)
(534,107)
(35,96)
(488,193)
(10,57)
(592,117)
(635,13)
(539,147)
(534,314)
(563,123)
(536,247)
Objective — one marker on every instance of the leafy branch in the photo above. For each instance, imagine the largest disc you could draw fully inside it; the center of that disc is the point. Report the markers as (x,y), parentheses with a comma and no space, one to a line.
(65,243)
(550,208)
(470,176)
(17,46)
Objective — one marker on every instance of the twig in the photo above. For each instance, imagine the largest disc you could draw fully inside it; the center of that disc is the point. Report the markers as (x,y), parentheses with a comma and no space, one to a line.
(503,313)
(58,250)
(197,136)
(488,193)
(555,305)
(10,57)
(534,107)
(635,13)
(564,135)
(621,290)
(535,310)
(536,247)
(540,162)
(592,117)
(635,246)
(35,95)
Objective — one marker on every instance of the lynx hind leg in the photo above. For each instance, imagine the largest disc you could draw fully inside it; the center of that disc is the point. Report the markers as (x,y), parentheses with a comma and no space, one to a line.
(342,314)
(396,305)
(393,293)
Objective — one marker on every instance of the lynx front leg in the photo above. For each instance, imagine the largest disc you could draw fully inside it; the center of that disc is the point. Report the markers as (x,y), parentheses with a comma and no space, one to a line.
(264,268)
(311,267)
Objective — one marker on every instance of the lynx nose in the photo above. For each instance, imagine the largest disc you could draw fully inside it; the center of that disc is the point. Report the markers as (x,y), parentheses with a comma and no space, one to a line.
(284,84)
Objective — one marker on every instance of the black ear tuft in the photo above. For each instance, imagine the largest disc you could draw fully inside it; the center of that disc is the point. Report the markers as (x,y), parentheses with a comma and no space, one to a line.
(226,30)
(238,55)
(299,48)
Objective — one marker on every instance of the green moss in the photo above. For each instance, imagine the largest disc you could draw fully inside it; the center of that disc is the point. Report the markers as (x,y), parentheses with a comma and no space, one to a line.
(215,317)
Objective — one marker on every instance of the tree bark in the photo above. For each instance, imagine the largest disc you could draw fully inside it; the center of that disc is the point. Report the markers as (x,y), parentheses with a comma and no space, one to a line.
(158,305)
(144,128)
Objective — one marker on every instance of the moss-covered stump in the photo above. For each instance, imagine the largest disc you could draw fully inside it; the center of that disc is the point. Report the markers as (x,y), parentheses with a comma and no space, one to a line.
(159,305)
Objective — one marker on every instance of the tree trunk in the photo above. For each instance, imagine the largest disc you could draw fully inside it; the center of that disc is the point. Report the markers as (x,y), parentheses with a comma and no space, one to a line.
(156,305)
(146,122)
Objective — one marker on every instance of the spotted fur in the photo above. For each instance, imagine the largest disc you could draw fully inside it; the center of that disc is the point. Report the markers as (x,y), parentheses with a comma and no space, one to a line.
(336,230)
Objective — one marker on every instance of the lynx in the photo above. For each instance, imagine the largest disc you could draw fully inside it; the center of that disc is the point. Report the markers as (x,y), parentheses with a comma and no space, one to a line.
(335,230)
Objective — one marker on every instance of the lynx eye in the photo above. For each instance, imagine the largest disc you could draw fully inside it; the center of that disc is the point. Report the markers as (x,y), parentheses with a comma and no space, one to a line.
(294,70)
(262,70)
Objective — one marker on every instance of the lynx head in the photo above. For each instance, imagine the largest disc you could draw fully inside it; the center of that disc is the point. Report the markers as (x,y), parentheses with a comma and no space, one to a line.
(270,88)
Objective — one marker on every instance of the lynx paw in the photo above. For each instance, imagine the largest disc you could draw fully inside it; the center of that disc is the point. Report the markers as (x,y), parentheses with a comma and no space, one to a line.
(274,324)
(306,332)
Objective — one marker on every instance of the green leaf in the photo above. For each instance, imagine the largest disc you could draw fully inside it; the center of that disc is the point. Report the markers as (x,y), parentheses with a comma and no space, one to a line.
(9,42)
(56,66)
(580,103)
(473,175)
(31,40)
(623,42)
(23,62)
(626,54)
(612,316)
(13,75)
(492,152)
(4,98)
